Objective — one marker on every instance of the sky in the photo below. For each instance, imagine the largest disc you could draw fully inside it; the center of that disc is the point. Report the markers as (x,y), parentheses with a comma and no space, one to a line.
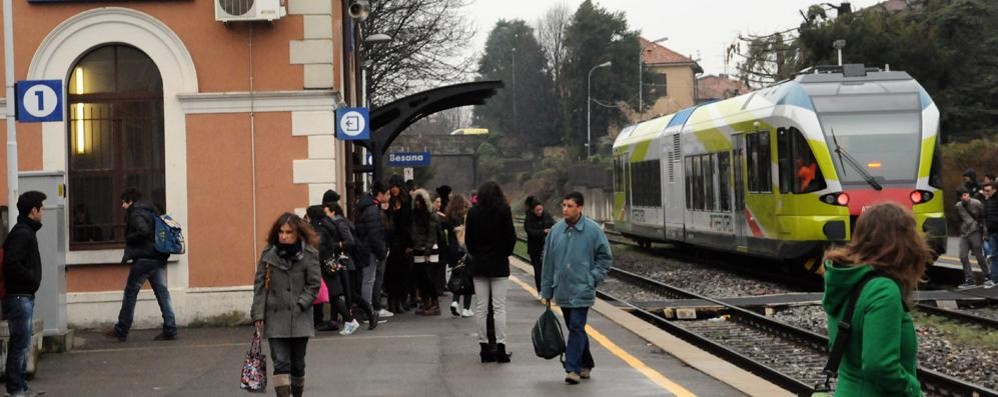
(701,29)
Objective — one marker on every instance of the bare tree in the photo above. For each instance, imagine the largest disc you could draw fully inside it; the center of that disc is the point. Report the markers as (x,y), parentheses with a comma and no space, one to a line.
(551,35)
(429,38)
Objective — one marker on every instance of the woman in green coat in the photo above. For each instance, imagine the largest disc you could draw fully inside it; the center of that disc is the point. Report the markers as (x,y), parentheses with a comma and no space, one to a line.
(880,358)
(287,282)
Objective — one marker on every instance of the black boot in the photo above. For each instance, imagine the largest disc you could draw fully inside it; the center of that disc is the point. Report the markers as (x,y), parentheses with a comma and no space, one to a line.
(501,355)
(297,386)
(372,316)
(487,354)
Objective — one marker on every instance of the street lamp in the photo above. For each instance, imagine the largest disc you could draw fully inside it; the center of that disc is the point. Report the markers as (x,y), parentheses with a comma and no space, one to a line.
(589,106)
(641,87)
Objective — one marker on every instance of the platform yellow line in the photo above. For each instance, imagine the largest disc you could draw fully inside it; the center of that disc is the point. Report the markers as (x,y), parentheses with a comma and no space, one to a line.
(622,354)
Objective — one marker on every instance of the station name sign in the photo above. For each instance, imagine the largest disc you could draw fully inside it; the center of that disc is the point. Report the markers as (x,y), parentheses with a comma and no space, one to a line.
(103,1)
(409,159)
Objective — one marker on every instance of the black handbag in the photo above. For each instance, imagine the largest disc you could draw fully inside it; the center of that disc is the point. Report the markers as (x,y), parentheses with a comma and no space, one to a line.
(460,282)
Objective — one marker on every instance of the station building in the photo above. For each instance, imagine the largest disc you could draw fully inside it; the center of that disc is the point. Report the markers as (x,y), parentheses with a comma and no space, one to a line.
(222,125)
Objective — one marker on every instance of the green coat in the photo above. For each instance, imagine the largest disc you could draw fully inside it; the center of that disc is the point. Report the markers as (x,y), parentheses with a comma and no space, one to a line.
(286,304)
(576,260)
(881,357)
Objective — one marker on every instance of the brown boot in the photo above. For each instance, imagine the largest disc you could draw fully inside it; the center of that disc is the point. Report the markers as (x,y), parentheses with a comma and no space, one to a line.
(282,385)
(297,386)
(434,309)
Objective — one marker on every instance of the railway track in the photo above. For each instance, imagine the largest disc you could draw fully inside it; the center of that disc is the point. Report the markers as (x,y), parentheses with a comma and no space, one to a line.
(968,317)
(788,356)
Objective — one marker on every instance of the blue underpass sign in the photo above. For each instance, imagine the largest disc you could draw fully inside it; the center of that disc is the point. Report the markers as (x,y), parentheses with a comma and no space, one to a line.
(409,159)
(353,124)
(39,101)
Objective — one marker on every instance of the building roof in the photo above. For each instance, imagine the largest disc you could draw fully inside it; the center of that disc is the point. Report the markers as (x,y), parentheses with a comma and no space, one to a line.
(719,87)
(656,53)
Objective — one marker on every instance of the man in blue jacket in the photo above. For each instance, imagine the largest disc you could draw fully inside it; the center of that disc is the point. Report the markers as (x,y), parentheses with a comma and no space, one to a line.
(22,274)
(576,259)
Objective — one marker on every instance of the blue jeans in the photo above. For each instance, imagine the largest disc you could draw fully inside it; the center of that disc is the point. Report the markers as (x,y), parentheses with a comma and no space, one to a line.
(155,271)
(18,310)
(577,355)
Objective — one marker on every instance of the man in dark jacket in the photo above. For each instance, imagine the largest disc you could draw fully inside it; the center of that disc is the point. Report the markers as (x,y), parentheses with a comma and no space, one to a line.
(991,228)
(970,183)
(22,273)
(537,223)
(373,248)
(972,216)
(147,263)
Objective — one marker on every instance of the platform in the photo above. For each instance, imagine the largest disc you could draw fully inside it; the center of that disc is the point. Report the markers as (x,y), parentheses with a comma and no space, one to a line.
(408,356)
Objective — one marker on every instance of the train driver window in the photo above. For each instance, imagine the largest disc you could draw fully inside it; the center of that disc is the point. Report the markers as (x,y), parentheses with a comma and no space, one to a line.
(799,172)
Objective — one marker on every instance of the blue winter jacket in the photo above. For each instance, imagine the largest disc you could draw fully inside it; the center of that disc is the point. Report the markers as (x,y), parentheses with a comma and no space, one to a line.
(576,260)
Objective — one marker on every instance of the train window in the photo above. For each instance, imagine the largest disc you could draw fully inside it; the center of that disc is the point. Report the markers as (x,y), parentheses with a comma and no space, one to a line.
(759,162)
(697,184)
(799,171)
(648,190)
(689,183)
(724,180)
(708,182)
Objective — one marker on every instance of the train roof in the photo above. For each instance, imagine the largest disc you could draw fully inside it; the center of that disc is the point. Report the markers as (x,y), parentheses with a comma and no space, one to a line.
(797,92)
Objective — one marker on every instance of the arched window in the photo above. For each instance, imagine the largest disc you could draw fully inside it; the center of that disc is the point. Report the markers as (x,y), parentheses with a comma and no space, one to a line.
(115,135)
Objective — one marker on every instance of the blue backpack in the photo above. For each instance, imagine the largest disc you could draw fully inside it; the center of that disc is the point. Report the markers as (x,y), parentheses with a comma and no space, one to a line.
(169,236)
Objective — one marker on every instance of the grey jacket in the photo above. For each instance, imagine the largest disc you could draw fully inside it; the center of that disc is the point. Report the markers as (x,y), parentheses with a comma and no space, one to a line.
(285,302)
(970,215)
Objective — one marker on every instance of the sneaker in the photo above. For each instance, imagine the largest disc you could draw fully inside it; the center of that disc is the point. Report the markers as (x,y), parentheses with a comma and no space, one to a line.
(572,378)
(113,333)
(585,373)
(165,336)
(454,308)
(467,313)
(966,286)
(385,313)
(989,284)
(349,328)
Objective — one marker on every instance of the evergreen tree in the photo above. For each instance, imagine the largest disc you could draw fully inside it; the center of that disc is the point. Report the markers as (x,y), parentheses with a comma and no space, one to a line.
(523,109)
(595,36)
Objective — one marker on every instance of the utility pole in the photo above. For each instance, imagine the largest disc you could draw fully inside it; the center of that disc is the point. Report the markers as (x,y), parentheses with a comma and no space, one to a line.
(8,58)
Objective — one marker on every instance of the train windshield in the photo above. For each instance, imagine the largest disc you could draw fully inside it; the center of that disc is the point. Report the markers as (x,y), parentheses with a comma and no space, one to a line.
(882,132)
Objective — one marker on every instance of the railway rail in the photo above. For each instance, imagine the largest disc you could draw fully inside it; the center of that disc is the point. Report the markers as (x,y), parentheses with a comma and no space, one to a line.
(786,355)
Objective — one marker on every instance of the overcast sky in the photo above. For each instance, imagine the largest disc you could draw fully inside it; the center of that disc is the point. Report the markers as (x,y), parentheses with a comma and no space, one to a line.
(701,29)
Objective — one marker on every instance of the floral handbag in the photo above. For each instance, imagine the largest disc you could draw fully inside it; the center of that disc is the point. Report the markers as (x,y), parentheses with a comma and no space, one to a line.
(254,375)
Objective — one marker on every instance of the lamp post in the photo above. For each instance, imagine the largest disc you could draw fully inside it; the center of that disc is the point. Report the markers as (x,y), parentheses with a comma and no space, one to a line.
(589,106)
(371,40)
(641,103)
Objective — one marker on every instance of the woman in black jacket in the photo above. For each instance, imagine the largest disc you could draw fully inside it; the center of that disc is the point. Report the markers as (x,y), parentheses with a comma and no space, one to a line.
(490,238)
(537,223)
(398,267)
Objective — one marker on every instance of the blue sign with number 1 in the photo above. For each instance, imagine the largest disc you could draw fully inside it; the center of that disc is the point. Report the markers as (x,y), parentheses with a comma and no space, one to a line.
(39,100)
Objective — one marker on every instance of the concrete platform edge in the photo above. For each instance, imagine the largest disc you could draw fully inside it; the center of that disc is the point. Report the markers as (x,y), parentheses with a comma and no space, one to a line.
(693,356)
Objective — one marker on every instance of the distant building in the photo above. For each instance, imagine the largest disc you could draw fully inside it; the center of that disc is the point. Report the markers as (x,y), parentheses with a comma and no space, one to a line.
(715,88)
(675,77)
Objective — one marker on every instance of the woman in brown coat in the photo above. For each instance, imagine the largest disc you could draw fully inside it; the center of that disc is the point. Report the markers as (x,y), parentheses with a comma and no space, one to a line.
(287,281)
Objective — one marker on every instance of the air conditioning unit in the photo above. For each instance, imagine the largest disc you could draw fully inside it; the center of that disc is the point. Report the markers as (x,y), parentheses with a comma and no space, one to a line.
(248,10)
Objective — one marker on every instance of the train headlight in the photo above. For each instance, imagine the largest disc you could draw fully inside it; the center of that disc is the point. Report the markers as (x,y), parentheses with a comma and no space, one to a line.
(920,196)
(840,198)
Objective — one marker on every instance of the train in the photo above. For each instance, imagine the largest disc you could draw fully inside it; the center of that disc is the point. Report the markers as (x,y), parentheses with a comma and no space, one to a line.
(783,172)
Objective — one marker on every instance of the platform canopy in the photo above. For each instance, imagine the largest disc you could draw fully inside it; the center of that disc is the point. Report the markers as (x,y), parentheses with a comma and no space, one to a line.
(388,121)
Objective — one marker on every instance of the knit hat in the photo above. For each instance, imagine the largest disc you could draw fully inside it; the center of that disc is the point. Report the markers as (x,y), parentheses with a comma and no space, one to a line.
(396,181)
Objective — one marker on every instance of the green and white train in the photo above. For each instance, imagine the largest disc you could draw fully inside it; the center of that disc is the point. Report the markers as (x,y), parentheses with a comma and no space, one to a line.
(784,171)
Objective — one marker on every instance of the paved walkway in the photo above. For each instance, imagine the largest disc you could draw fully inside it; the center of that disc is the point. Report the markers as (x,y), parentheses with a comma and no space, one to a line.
(409,356)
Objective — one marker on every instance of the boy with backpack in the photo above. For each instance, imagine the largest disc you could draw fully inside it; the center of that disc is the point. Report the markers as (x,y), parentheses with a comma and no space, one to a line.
(144,252)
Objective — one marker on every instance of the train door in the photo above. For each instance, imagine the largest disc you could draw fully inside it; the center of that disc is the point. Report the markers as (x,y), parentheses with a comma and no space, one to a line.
(738,155)
(675,200)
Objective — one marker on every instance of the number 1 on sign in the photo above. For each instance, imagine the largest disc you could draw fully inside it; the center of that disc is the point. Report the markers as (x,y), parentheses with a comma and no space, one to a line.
(41,99)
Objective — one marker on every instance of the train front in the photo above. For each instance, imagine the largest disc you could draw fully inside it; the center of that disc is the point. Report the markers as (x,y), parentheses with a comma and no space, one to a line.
(882,134)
